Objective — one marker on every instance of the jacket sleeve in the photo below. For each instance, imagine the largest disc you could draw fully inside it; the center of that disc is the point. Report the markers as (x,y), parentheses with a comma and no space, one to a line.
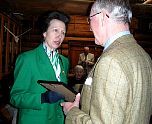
(21,95)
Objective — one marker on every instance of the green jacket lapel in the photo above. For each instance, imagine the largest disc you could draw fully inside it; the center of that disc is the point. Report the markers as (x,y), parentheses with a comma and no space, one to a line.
(45,66)
(63,71)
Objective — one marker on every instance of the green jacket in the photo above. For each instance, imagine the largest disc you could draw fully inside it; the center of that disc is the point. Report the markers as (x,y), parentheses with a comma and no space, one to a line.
(26,92)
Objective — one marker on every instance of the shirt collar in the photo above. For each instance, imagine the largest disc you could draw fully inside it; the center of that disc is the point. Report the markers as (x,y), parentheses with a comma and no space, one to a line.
(48,52)
(116,36)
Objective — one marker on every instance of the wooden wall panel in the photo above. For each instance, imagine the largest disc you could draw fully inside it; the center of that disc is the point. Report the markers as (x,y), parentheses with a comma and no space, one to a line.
(78,19)
(8,47)
(1,42)
(71,27)
(82,27)
(74,56)
(83,34)
(65,52)
(65,46)
(79,27)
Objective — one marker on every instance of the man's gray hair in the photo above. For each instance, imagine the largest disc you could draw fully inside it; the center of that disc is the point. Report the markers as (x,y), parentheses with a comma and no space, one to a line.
(119,10)
(78,67)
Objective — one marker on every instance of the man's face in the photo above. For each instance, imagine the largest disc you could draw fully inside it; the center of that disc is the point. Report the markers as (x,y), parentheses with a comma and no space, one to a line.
(79,74)
(96,25)
(55,34)
(86,50)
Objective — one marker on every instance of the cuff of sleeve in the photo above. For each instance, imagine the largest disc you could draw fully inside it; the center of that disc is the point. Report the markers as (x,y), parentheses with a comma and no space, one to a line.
(74,111)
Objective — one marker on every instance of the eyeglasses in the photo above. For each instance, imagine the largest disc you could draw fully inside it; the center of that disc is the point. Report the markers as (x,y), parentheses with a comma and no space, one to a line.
(89,18)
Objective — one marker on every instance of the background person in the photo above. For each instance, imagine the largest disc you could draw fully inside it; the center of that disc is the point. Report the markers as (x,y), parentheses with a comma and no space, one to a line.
(86,59)
(118,89)
(76,82)
(35,104)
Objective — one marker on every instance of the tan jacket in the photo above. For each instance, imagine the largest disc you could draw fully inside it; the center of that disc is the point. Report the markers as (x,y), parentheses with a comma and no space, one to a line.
(121,90)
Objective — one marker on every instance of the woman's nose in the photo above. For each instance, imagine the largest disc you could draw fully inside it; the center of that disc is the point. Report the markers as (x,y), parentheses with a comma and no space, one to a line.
(59,35)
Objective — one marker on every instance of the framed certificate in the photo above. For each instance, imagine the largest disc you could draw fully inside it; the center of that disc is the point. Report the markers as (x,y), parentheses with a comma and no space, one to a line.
(59,87)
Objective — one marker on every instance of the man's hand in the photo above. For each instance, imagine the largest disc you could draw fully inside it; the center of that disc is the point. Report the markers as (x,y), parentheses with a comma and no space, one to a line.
(69,105)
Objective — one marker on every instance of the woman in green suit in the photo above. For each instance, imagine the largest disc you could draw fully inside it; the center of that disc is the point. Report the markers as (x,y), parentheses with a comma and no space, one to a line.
(37,105)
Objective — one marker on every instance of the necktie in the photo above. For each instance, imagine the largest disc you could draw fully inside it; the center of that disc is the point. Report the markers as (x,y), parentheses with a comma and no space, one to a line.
(55,63)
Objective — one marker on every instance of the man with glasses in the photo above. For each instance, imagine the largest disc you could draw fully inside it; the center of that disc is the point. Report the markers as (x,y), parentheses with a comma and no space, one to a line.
(118,88)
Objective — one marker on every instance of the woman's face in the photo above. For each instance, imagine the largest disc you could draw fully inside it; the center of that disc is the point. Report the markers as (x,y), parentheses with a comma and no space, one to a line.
(55,34)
